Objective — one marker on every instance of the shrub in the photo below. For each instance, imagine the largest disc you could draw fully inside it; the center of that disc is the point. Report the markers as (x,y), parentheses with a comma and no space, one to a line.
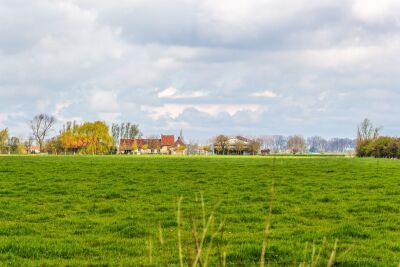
(381,147)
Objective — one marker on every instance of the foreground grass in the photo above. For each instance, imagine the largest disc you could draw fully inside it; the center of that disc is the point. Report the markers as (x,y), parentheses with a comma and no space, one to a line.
(111,210)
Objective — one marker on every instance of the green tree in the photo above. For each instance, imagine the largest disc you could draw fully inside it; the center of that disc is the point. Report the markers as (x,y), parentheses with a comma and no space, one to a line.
(54,146)
(15,145)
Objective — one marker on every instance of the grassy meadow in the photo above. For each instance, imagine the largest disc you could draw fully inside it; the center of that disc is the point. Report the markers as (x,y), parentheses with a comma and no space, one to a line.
(122,210)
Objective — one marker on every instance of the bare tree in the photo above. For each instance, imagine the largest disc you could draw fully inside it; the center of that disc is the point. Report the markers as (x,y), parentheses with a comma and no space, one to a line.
(276,143)
(317,144)
(115,133)
(41,126)
(367,131)
(340,145)
(296,144)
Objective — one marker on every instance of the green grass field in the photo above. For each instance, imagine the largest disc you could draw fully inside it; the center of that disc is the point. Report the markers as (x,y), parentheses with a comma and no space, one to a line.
(107,210)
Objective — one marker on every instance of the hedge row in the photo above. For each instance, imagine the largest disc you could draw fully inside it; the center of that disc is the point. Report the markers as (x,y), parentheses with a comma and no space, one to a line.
(381,147)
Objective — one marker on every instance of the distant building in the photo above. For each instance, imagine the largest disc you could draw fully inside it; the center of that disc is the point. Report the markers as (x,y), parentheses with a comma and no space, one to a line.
(237,145)
(34,150)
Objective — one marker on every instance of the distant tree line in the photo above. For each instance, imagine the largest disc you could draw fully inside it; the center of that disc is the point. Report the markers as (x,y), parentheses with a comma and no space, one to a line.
(314,144)
(73,138)
(275,144)
(98,138)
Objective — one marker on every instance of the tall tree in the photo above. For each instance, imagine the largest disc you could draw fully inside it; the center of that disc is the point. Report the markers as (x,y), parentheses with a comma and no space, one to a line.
(123,131)
(4,140)
(41,126)
(115,133)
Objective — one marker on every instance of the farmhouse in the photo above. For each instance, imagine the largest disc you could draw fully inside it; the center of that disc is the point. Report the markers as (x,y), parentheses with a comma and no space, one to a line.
(233,145)
(166,144)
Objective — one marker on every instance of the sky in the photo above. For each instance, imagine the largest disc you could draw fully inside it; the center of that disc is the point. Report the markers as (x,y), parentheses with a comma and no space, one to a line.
(250,67)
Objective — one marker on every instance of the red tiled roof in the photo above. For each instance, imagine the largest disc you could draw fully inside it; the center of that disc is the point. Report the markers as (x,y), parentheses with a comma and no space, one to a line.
(126,142)
(140,142)
(167,140)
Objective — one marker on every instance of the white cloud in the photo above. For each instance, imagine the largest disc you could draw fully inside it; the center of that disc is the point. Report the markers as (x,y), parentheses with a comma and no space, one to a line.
(174,110)
(101,59)
(103,101)
(266,93)
(173,93)
(60,106)
(376,11)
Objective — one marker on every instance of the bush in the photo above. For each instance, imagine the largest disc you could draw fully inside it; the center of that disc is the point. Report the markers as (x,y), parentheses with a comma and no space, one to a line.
(381,147)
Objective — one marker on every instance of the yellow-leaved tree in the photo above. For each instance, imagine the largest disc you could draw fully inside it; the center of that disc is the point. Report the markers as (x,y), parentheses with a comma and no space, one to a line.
(88,138)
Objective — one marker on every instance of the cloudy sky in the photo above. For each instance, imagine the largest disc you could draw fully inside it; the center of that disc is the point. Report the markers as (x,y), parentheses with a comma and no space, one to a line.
(311,67)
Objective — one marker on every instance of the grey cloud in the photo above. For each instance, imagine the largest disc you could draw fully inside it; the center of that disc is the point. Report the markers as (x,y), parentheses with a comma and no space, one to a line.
(332,63)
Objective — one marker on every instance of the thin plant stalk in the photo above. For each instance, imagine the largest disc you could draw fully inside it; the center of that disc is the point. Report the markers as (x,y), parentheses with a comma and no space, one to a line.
(315,263)
(313,252)
(224,260)
(204,234)
(195,234)
(332,259)
(160,234)
(203,210)
(150,247)
(203,237)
